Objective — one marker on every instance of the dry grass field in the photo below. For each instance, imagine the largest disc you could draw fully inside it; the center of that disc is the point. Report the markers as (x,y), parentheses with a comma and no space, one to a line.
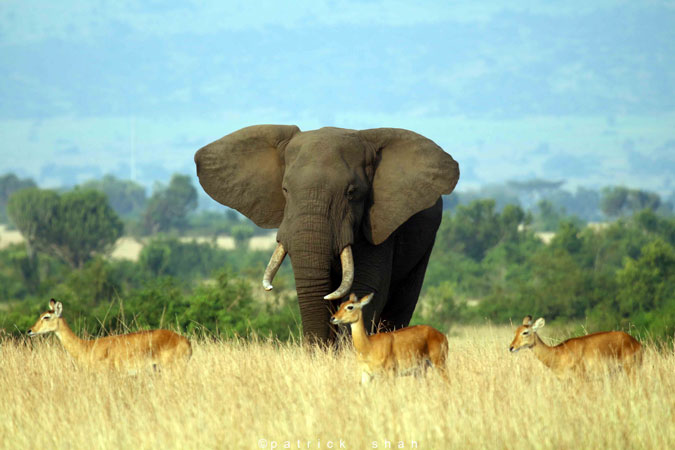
(264,395)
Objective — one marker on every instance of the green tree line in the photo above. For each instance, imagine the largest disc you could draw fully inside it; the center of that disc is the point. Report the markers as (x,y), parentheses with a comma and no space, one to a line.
(489,263)
(194,287)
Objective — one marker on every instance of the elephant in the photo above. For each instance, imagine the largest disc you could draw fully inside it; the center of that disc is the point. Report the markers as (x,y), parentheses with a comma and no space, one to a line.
(356,211)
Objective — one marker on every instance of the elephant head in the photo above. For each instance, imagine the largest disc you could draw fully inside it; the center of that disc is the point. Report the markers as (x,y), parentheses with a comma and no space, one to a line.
(324,189)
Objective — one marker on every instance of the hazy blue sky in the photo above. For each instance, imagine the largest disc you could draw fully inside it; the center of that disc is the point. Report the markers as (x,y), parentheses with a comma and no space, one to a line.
(582,92)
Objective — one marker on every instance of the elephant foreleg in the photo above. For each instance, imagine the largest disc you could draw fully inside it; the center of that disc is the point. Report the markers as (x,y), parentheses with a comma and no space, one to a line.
(403,296)
(412,249)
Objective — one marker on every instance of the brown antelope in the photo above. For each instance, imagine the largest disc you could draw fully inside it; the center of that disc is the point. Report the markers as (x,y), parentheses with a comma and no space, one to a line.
(397,351)
(145,349)
(591,352)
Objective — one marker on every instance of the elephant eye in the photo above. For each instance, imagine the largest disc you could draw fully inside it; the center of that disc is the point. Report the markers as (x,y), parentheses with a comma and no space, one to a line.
(350,192)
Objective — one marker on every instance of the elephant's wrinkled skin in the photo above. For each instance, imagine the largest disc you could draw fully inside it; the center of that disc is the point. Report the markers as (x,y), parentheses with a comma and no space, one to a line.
(375,191)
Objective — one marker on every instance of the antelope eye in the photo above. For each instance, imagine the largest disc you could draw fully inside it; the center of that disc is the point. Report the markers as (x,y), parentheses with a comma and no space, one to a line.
(45,318)
(525,333)
(350,307)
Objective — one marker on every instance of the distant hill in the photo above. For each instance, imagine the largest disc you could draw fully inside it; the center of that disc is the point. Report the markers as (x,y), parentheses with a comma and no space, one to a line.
(579,90)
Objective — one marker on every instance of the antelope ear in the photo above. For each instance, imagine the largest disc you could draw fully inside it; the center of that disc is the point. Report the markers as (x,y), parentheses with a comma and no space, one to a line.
(58,309)
(527,320)
(538,324)
(365,300)
(244,171)
(352,297)
(411,173)
(52,302)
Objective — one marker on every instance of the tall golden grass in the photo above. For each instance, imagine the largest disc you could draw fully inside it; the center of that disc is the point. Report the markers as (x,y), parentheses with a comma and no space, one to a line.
(260,395)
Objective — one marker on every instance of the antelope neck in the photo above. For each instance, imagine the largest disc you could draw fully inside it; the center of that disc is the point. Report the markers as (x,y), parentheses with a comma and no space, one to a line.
(359,336)
(73,344)
(543,352)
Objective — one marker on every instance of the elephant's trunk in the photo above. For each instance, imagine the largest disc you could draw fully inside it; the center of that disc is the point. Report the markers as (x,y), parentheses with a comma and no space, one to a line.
(347,262)
(311,251)
(314,232)
(312,282)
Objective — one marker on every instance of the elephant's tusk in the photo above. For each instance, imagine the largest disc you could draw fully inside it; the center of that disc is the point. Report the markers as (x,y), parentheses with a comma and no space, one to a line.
(347,261)
(273,266)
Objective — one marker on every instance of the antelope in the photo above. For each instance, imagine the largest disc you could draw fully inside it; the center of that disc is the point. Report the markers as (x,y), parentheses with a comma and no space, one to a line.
(398,351)
(144,349)
(580,354)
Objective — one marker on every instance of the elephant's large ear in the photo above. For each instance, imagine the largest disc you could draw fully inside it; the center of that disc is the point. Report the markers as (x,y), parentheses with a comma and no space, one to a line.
(244,171)
(411,172)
